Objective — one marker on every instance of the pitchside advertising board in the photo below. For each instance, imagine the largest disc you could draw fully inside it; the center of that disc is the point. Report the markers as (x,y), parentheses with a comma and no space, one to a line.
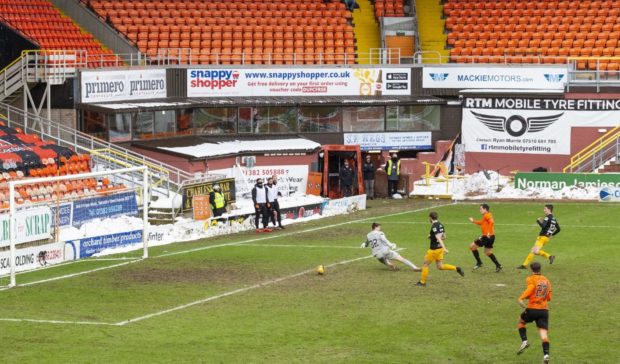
(32,257)
(291,178)
(101,86)
(345,81)
(558,181)
(30,225)
(475,77)
(389,141)
(531,126)
(609,194)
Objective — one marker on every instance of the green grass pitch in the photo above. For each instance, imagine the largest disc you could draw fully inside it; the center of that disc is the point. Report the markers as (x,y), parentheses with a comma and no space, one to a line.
(252,303)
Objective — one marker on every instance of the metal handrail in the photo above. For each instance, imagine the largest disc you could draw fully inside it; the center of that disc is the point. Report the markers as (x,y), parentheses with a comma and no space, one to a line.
(595,154)
(67,136)
(613,133)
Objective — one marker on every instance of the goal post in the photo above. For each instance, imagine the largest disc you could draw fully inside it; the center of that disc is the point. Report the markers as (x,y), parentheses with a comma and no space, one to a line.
(35,219)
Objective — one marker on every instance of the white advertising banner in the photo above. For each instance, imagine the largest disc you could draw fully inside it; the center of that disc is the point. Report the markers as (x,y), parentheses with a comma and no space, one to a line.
(531,126)
(32,257)
(344,205)
(30,225)
(509,77)
(101,86)
(291,178)
(390,141)
(343,81)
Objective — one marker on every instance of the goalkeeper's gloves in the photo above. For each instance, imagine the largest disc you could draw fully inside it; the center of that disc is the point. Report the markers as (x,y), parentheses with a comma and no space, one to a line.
(363,244)
(393,246)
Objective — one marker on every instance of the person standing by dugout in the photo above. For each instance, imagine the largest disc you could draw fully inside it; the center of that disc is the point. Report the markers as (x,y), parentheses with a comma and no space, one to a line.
(261,205)
(217,201)
(273,195)
(368,170)
(392,168)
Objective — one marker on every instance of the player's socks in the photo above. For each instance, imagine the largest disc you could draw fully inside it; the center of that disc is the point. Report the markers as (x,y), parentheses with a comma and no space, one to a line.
(448,267)
(494,260)
(424,275)
(545,346)
(410,265)
(528,260)
(543,253)
(523,333)
(477,256)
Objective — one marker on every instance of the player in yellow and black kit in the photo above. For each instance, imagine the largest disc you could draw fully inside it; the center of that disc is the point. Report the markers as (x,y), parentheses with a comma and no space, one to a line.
(549,227)
(436,251)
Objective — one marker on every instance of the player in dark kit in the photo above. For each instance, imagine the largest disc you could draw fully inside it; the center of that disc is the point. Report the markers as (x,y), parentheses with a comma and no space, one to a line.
(549,227)
(538,294)
(436,251)
(486,240)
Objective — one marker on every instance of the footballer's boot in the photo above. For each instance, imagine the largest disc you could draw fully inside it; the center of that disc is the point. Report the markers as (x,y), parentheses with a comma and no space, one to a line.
(477,266)
(498,269)
(521,267)
(524,345)
(546,359)
(420,284)
(551,259)
(459,270)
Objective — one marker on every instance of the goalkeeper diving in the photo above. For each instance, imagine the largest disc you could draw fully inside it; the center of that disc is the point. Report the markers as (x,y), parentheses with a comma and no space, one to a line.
(384,250)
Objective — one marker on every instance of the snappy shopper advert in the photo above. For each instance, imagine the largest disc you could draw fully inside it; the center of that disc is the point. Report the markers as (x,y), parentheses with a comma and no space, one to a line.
(299,82)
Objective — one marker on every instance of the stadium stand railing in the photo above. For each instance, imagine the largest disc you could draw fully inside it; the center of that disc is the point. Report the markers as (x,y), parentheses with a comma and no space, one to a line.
(163,178)
(591,158)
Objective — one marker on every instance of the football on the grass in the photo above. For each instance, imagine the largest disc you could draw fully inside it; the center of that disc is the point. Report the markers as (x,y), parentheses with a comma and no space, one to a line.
(320,270)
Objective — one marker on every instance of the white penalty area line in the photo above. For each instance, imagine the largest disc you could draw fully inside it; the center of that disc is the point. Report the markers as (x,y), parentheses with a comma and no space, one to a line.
(187,305)
(236,291)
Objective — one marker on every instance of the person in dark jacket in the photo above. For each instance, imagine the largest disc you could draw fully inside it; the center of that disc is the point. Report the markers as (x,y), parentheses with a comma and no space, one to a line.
(347,176)
(260,197)
(217,201)
(368,168)
(392,168)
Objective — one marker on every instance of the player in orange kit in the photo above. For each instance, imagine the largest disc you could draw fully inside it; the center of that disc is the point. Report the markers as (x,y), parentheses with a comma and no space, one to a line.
(538,294)
(487,225)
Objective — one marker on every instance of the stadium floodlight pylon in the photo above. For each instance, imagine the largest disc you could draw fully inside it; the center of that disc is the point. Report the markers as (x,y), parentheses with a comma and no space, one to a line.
(131,177)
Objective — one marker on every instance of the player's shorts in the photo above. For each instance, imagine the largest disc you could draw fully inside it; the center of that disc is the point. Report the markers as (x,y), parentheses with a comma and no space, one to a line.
(433,255)
(385,254)
(541,317)
(485,241)
(541,241)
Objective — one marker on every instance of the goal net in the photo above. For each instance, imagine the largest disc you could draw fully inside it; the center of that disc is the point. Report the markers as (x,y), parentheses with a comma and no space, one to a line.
(62,214)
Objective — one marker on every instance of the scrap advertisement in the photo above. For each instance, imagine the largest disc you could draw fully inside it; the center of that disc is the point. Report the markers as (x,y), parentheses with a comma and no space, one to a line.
(342,81)
(532,126)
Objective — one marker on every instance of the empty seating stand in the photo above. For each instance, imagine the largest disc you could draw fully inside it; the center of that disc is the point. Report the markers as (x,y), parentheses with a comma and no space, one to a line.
(542,31)
(46,26)
(236,31)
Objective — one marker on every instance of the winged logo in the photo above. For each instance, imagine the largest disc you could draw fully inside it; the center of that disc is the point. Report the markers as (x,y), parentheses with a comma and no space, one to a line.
(517,125)
(554,77)
(439,76)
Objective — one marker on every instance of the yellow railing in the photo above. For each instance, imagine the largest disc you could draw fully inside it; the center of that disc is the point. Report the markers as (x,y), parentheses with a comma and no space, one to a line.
(587,152)
(104,154)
